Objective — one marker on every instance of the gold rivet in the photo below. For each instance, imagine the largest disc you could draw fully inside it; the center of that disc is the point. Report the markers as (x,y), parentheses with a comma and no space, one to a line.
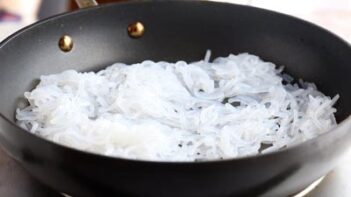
(66,43)
(136,30)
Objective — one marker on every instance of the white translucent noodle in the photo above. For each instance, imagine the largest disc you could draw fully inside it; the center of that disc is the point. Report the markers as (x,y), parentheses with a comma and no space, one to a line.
(231,107)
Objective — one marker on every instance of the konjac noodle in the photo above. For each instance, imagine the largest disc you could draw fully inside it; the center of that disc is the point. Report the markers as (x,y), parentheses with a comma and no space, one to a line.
(231,107)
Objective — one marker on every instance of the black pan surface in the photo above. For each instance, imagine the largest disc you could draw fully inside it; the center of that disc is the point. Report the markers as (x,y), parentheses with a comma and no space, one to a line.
(174,31)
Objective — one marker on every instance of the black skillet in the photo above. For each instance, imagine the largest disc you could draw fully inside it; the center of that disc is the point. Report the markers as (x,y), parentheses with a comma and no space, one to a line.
(173,30)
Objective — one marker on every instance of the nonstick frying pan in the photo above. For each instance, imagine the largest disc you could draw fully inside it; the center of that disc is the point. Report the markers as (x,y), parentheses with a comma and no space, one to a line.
(92,38)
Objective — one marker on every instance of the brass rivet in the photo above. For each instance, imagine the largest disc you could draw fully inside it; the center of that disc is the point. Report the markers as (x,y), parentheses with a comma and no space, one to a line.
(136,30)
(66,43)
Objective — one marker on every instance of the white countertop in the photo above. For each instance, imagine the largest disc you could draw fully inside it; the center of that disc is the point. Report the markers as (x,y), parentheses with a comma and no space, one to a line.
(337,183)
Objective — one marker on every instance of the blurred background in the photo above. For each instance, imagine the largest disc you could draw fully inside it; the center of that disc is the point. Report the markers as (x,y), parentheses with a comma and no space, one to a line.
(334,15)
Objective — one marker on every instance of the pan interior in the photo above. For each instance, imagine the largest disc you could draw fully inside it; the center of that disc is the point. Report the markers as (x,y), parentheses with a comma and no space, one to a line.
(184,32)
